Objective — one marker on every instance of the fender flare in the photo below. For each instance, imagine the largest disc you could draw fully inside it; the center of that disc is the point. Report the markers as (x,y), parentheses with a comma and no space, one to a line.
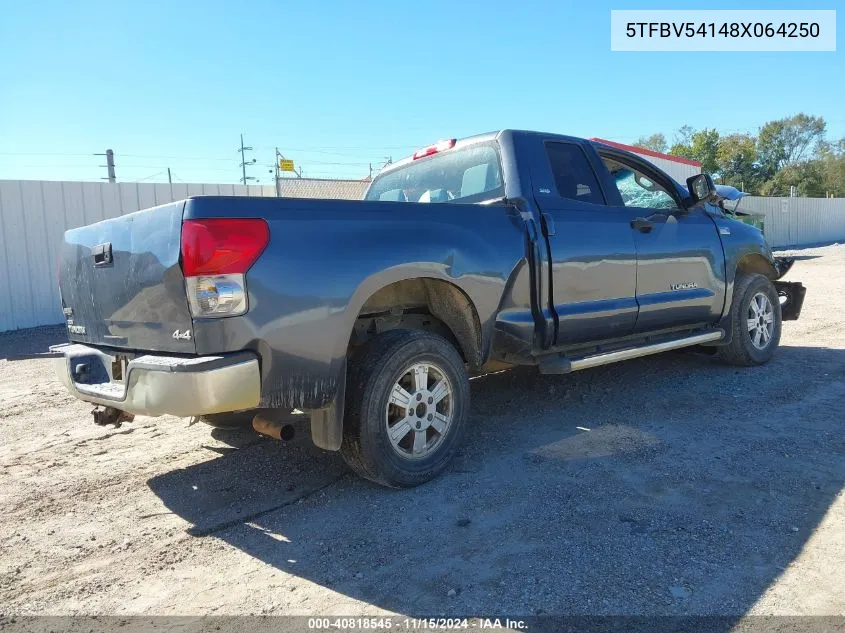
(752,261)
(327,422)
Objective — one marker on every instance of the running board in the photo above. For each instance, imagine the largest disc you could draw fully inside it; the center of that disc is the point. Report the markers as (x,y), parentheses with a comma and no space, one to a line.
(563,365)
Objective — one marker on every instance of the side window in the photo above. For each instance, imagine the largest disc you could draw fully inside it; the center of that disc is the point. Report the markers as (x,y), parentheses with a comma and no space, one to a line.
(637,189)
(574,177)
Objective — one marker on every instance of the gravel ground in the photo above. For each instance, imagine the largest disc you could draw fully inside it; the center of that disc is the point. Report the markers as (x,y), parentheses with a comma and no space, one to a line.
(667,485)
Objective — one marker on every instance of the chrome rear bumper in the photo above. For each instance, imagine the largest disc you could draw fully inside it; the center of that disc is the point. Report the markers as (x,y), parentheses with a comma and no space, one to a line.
(158,385)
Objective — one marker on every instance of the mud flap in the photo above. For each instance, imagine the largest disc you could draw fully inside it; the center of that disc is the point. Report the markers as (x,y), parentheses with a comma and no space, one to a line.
(327,423)
(793,293)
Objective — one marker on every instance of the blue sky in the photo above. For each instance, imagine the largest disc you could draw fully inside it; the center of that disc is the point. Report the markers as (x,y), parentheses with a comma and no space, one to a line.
(337,85)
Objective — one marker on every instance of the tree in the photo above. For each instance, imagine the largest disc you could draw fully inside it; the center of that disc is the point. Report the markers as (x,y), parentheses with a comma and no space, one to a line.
(703,146)
(684,135)
(684,150)
(789,152)
(737,158)
(833,168)
(807,177)
(788,141)
(655,142)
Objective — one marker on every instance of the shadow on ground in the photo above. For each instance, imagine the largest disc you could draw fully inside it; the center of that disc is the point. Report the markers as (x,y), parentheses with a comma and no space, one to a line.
(31,343)
(670,485)
(801,258)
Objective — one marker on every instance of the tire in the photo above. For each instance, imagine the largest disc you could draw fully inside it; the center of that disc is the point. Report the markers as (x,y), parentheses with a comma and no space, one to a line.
(752,345)
(229,421)
(435,422)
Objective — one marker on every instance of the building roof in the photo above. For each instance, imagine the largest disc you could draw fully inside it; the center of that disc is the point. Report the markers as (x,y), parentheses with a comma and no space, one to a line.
(648,152)
(323,188)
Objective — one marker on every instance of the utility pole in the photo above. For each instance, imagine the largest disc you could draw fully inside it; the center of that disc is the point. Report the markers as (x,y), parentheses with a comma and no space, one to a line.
(169,177)
(278,177)
(388,160)
(109,165)
(244,162)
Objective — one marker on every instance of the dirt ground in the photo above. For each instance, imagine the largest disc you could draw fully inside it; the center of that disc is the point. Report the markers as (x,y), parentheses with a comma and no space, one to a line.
(667,485)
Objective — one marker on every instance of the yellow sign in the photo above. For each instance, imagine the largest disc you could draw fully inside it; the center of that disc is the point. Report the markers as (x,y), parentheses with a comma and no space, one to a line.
(286,165)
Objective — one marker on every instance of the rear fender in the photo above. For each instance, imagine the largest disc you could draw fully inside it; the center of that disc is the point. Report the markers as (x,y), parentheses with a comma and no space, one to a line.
(327,422)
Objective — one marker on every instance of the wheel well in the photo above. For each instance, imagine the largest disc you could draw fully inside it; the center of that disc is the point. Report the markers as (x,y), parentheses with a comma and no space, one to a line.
(422,304)
(755,263)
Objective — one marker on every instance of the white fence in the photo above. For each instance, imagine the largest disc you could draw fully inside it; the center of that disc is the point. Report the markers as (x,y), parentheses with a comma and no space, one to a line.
(799,221)
(34,215)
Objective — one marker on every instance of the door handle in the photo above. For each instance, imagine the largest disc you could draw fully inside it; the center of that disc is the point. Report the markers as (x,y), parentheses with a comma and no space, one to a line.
(642,225)
(102,254)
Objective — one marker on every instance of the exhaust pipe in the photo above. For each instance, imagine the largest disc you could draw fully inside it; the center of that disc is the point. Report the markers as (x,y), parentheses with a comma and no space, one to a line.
(273,428)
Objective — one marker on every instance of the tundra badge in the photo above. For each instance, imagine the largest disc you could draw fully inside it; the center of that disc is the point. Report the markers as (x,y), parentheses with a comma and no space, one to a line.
(684,286)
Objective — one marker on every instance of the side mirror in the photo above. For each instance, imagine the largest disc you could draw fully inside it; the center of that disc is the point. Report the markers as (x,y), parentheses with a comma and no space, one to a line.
(701,187)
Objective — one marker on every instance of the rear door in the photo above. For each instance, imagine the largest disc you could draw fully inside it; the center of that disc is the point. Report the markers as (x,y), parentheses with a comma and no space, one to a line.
(592,249)
(680,261)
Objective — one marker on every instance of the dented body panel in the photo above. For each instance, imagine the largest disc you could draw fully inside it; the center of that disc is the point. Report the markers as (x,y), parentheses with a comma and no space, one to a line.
(121,283)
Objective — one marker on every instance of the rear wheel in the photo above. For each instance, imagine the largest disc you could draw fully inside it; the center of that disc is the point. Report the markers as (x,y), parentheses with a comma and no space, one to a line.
(755,320)
(407,401)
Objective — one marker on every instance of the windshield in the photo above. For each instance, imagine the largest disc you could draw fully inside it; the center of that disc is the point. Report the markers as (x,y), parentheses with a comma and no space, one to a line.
(463,175)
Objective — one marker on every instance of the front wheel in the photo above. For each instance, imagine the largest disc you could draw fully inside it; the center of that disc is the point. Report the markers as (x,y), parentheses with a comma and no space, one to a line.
(407,401)
(755,320)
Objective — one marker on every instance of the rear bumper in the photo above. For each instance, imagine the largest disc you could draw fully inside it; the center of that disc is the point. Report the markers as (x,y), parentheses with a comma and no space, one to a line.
(158,385)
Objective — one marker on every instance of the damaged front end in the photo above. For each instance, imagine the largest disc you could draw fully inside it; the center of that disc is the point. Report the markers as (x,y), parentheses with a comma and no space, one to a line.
(791,293)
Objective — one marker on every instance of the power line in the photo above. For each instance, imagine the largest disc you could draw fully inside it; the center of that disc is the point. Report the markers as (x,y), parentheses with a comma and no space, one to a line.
(292,149)
(374,148)
(179,157)
(42,154)
(374,153)
(150,176)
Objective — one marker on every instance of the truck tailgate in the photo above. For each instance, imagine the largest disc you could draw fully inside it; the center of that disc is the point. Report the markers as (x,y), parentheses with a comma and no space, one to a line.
(121,283)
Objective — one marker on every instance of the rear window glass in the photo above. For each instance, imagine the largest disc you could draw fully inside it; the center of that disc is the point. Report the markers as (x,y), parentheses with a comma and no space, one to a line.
(472,174)
(574,178)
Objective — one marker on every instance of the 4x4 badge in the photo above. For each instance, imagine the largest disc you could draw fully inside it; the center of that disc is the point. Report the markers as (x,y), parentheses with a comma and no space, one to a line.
(183,336)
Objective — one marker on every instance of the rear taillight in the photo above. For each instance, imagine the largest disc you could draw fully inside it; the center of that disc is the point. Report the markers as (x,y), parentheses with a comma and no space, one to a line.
(222,245)
(217,295)
(216,253)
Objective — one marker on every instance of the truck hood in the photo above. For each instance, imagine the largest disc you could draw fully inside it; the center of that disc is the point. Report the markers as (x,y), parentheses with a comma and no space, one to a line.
(729,198)
(727,192)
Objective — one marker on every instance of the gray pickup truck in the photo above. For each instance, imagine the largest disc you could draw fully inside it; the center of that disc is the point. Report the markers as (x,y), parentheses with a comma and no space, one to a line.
(509,248)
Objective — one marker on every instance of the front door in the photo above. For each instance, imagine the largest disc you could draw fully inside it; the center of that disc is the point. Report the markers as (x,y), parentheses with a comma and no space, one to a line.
(680,261)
